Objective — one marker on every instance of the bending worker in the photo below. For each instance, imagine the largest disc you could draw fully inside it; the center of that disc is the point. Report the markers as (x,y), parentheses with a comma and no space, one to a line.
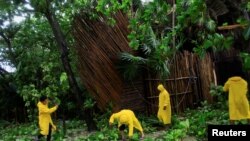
(126,118)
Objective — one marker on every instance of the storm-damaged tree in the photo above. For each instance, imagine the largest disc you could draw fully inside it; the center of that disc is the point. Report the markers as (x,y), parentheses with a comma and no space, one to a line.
(48,9)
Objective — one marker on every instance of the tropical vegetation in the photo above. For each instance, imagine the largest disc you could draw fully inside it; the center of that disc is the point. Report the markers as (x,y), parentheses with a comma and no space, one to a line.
(40,50)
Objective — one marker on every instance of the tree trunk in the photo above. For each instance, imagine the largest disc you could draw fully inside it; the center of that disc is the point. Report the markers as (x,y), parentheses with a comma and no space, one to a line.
(9,46)
(62,44)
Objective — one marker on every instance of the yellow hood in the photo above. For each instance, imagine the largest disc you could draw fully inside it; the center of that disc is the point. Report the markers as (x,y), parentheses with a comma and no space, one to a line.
(235,78)
(39,104)
(160,87)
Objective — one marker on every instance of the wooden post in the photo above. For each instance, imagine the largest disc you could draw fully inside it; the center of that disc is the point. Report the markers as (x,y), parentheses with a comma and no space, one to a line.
(175,64)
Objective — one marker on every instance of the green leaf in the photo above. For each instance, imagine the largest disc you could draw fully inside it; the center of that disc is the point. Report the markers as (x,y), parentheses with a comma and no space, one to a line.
(134,44)
(248,6)
(207,44)
(63,77)
(211,25)
(246,33)
(100,136)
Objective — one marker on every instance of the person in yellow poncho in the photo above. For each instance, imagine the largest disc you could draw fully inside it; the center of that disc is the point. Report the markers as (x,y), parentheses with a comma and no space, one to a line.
(164,111)
(238,102)
(45,122)
(126,117)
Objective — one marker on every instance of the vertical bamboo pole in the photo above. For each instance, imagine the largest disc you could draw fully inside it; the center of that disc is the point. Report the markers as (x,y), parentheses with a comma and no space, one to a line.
(175,65)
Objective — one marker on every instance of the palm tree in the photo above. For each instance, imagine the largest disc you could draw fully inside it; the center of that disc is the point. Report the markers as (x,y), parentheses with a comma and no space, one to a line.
(152,53)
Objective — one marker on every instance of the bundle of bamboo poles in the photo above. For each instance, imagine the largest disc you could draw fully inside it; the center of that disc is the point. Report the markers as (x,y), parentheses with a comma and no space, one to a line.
(98,45)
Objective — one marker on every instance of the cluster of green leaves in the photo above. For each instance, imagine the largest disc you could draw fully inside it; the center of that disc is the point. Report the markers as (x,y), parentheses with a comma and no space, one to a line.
(178,131)
(143,23)
(246,32)
(104,135)
(156,55)
(110,7)
(40,5)
(245,60)
(219,95)
(33,50)
(34,56)
(191,12)
(244,55)
(193,15)
(153,46)
(30,93)
(215,41)
(203,116)
(148,123)
(22,132)
(28,131)
(248,6)
(7,11)
(89,103)
(64,10)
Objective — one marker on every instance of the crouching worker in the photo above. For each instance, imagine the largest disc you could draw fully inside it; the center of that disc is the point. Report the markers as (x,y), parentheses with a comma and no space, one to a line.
(126,118)
(45,122)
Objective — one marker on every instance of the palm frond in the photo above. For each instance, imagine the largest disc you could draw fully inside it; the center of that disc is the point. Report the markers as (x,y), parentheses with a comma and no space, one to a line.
(217,7)
(132,59)
(160,67)
(150,38)
(137,4)
(146,49)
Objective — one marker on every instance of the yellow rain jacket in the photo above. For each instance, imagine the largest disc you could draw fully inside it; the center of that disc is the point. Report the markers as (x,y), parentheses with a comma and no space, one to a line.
(238,102)
(45,118)
(164,100)
(127,117)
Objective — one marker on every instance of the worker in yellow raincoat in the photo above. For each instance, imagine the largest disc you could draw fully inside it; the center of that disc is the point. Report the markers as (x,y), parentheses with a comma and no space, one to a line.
(238,102)
(45,122)
(128,118)
(164,111)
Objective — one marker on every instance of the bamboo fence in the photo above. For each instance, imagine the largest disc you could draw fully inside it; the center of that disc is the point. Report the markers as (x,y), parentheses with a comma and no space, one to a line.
(188,85)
